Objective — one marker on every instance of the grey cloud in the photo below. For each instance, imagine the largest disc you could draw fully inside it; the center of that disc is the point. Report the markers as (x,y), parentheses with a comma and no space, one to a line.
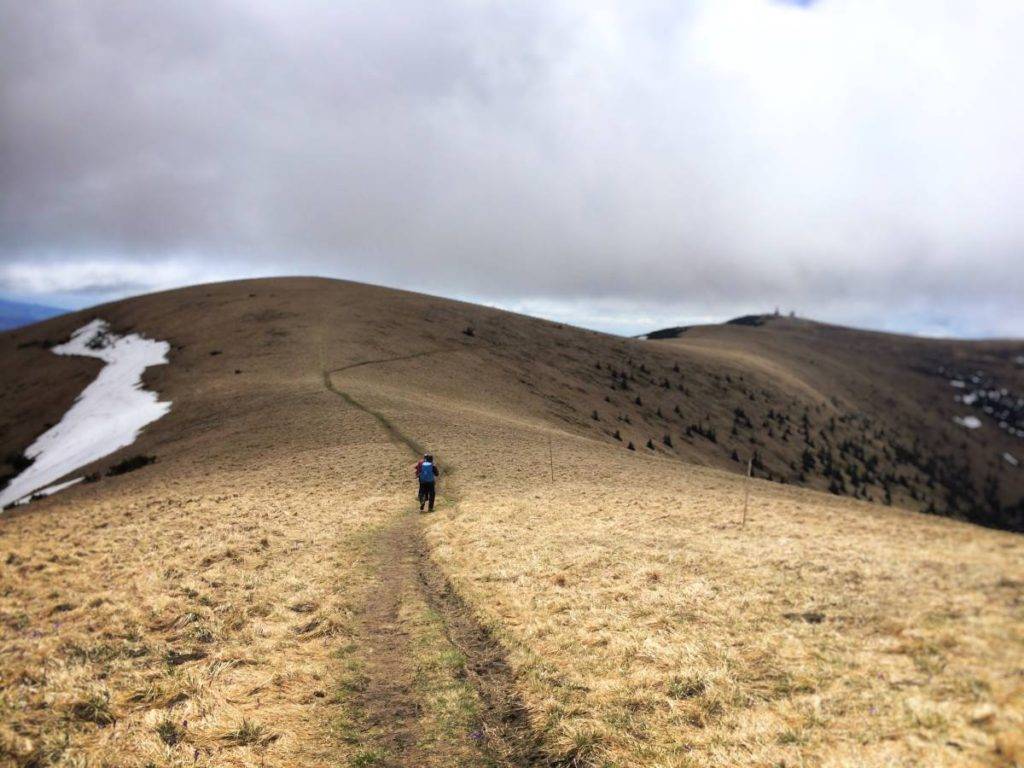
(845,157)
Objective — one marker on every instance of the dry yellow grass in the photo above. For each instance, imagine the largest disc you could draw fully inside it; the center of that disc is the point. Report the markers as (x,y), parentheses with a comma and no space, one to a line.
(649,628)
(259,595)
(213,604)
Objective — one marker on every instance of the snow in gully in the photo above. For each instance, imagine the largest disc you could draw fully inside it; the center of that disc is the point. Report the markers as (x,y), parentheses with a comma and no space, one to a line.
(108,414)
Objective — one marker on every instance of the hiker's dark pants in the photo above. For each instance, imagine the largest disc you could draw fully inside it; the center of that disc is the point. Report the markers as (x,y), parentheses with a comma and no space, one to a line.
(427,494)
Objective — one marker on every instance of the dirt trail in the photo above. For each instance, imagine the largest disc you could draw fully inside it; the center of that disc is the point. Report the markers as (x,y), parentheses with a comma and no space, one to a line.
(393,709)
(387,704)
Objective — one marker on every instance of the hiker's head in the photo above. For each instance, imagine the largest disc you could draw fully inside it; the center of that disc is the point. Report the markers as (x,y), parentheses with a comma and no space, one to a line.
(428,457)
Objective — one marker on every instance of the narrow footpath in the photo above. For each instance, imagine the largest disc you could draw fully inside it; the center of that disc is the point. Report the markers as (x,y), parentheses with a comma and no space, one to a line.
(427,684)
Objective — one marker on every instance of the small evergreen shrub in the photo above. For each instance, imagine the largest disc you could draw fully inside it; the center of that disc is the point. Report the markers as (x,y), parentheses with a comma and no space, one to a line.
(130,465)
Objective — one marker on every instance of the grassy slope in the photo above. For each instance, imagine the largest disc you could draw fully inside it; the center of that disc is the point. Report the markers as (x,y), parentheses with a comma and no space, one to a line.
(642,625)
(878,396)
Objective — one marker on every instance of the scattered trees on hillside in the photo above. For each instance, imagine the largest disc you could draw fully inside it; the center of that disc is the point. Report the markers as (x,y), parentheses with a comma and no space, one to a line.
(844,451)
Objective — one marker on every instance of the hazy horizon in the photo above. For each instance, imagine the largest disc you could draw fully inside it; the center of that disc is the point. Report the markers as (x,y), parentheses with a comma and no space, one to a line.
(633,325)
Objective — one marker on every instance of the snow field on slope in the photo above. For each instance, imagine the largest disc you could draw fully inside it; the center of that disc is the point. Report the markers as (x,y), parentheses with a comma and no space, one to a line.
(108,414)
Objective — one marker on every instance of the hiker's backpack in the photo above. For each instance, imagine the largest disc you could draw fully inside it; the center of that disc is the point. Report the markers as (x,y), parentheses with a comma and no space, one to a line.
(427,472)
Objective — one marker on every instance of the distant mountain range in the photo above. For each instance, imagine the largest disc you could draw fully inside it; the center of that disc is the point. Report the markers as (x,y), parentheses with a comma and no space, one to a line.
(14,314)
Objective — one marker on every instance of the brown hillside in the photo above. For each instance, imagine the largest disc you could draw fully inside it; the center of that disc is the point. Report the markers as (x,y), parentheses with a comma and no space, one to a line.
(881,412)
(266,594)
(857,413)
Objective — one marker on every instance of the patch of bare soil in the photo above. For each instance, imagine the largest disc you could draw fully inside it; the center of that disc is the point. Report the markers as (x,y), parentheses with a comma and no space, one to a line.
(386,699)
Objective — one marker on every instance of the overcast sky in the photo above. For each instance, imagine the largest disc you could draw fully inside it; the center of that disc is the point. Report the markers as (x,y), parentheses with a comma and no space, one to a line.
(620,165)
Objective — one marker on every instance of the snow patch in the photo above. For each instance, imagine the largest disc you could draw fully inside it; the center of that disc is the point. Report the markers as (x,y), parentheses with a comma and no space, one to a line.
(957,383)
(1010,459)
(107,416)
(971,422)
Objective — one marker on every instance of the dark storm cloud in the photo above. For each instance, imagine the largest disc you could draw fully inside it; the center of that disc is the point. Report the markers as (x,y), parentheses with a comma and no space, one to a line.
(655,160)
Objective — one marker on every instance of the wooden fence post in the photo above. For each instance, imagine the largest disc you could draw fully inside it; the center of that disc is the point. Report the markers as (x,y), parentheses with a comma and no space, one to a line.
(746,490)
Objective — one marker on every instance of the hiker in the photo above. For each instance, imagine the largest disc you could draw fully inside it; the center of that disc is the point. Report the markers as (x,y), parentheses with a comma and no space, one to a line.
(426,473)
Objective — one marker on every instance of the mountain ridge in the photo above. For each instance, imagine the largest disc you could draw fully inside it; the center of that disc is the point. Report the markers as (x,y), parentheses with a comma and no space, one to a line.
(824,406)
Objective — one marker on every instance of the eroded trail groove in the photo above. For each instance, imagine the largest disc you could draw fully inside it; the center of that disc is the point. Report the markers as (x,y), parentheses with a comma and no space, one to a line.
(504,720)
(429,684)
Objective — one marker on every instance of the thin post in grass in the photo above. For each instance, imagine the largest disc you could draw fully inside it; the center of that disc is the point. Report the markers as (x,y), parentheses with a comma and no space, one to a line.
(551,459)
(746,490)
